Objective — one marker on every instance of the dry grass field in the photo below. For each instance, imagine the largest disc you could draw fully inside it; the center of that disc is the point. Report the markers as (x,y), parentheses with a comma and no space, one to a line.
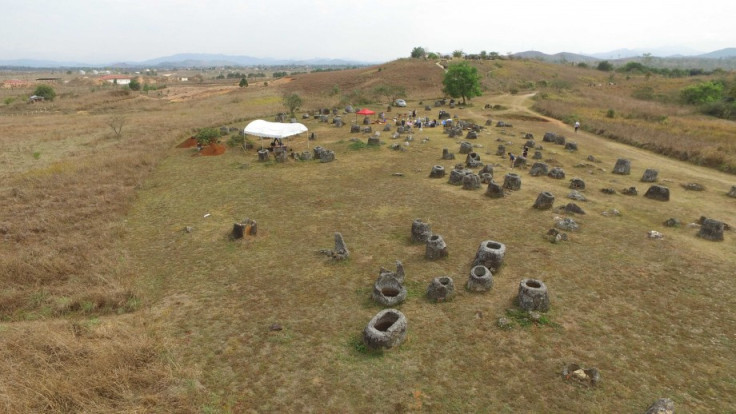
(109,305)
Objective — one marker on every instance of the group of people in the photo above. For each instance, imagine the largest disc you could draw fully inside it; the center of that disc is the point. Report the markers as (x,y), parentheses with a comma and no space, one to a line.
(513,157)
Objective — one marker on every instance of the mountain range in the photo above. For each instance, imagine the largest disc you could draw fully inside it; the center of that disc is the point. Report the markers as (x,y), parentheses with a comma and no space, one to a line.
(209,60)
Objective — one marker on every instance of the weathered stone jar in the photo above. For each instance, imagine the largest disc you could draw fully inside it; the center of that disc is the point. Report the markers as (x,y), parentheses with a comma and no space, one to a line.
(385,330)
(490,254)
(480,280)
(441,289)
(533,295)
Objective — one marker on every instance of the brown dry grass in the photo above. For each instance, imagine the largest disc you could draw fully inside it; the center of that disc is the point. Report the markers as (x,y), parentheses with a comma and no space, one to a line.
(653,316)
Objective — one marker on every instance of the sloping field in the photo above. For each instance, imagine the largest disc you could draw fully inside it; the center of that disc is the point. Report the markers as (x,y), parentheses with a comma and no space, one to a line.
(111,306)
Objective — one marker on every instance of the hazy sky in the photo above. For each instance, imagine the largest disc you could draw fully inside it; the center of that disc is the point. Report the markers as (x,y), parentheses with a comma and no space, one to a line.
(104,31)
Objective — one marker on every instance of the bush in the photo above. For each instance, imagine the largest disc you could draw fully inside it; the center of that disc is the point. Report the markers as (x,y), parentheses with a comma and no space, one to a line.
(610,113)
(605,66)
(46,92)
(702,93)
(206,136)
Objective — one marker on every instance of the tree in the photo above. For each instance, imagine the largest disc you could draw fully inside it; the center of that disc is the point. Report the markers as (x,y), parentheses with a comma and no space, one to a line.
(391,92)
(605,66)
(243,82)
(134,85)
(116,122)
(418,52)
(458,53)
(46,92)
(462,81)
(292,101)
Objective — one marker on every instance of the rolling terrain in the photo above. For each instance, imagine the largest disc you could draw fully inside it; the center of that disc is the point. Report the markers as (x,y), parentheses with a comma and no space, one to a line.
(111,306)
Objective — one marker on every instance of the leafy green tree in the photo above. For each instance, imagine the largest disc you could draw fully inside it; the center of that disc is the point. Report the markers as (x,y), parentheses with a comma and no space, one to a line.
(433,56)
(702,93)
(418,52)
(458,53)
(243,82)
(462,81)
(605,66)
(292,101)
(205,136)
(46,91)
(134,85)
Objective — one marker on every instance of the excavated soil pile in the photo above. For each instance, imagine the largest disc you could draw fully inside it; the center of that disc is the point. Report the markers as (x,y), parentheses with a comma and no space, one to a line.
(188,143)
(213,149)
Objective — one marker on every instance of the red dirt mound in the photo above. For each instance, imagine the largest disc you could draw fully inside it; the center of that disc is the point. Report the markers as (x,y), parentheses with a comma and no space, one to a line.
(213,149)
(188,143)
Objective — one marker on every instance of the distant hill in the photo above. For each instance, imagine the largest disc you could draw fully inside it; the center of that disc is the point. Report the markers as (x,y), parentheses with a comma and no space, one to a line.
(186,60)
(557,57)
(658,52)
(729,52)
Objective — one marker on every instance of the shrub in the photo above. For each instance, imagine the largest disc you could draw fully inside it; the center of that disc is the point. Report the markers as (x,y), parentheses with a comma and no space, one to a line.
(46,92)
(604,66)
(134,85)
(207,135)
(610,113)
(702,93)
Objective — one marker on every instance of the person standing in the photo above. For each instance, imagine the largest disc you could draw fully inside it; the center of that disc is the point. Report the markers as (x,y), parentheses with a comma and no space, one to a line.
(512,158)
(577,126)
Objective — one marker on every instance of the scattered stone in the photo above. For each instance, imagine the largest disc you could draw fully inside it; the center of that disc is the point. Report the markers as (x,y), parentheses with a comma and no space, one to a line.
(577,184)
(494,190)
(537,155)
(593,159)
(472,160)
(488,168)
(387,128)
(573,208)
(608,191)
(188,229)
(504,323)
(590,376)
(397,174)
(246,227)
(512,181)
(420,231)
(480,280)
(530,143)
(501,150)
(456,176)
(485,178)
(622,167)
(340,252)
(658,192)
(327,156)
(571,146)
(447,155)
(672,222)
(373,141)
(566,223)
(275,327)
(732,193)
(693,187)
(649,176)
(662,406)
(538,168)
(519,162)
(441,289)
(354,128)
(471,182)
(711,229)
(653,234)
(557,173)
(471,135)
(385,330)
(630,191)
(490,254)
(612,212)
(544,201)
(501,124)
(437,171)
(555,236)
(436,247)
(388,290)
(576,195)
(263,155)
(533,295)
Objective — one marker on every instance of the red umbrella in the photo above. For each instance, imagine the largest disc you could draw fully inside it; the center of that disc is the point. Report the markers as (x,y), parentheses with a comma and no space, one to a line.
(364,111)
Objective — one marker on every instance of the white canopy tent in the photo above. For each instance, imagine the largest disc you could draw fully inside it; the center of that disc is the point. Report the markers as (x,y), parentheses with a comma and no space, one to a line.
(265,129)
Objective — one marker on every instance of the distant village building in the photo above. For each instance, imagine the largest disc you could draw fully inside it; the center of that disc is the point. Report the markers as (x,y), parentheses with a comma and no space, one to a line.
(183,79)
(16,83)
(117,79)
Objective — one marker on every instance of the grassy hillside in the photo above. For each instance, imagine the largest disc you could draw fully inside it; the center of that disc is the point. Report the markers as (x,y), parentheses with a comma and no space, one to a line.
(109,305)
